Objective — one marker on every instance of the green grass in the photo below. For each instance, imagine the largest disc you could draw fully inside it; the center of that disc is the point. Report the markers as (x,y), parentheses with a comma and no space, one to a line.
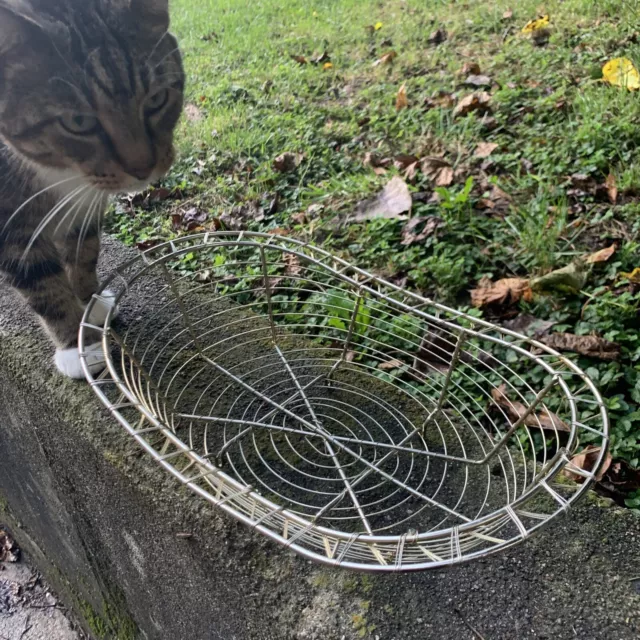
(553,118)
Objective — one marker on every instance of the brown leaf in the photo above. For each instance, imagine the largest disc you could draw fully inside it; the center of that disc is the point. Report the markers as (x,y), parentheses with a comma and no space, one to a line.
(240,215)
(612,188)
(505,291)
(470,69)
(193,113)
(586,460)
(292,265)
(515,410)
(485,149)
(393,202)
(591,346)
(391,364)
(474,102)
(411,173)
(287,162)
(601,256)
(402,161)
(420,228)
(437,37)
(387,58)
(372,159)
(478,81)
(432,165)
(321,58)
(508,14)
(299,59)
(445,177)
(401,98)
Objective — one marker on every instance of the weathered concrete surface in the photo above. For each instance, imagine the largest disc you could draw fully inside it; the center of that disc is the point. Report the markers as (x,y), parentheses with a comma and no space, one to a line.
(100,520)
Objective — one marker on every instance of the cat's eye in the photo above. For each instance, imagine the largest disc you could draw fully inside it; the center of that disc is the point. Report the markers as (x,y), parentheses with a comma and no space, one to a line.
(80,125)
(157,101)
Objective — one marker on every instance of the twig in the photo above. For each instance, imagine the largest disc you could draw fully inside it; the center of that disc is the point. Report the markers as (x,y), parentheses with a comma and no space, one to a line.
(469,626)
(27,626)
(44,606)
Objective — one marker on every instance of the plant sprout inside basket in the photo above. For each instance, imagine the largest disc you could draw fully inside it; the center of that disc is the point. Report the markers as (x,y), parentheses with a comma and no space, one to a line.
(356,423)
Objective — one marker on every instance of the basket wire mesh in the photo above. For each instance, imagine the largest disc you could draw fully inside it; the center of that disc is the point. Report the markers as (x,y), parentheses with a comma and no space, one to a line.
(351,421)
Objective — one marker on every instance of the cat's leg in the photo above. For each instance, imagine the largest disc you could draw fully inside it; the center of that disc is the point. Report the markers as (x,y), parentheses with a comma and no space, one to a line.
(40,278)
(80,248)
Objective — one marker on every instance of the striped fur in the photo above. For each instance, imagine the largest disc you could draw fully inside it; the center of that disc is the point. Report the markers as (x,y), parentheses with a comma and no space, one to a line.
(90,94)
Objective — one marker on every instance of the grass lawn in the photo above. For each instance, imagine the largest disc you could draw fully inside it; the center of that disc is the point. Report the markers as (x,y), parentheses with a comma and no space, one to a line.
(542,197)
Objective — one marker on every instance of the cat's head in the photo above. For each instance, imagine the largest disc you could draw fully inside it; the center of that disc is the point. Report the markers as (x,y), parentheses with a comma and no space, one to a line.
(90,88)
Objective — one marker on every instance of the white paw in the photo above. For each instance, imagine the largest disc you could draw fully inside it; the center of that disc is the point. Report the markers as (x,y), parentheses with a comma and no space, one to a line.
(68,361)
(101,307)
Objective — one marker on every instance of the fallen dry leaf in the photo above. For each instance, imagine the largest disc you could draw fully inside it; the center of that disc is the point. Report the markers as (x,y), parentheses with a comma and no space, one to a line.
(393,202)
(403,160)
(478,81)
(621,72)
(420,228)
(299,59)
(287,162)
(401,98)
(474,102)
(601,256)
(437,37)
(444,177)
(470,69)
(544,419)
(586,461)
(239,215)
(387,58)
(485,149)
(292,265)
(320,58)
(591,346)
(193,113)
(505,291)
(411,173)
(327,65)
(390,364)
(508,14)
(612,188)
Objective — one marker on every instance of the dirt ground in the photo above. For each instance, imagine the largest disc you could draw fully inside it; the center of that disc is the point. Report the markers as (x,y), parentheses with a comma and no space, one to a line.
(28,609)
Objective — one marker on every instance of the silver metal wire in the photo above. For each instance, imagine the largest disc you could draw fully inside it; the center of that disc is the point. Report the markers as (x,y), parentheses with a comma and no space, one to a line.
(356,423)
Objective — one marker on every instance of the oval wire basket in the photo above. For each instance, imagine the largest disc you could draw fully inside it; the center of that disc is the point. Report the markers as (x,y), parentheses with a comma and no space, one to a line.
(351,421)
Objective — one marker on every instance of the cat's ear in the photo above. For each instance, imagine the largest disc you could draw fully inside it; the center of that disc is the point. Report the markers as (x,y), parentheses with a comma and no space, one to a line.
(15,25)
(154,14)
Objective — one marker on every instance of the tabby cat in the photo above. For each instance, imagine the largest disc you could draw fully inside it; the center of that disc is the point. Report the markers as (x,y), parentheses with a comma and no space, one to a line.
(90,94)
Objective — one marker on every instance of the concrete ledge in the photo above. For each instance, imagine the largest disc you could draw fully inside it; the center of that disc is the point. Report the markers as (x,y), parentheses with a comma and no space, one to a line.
(101,521)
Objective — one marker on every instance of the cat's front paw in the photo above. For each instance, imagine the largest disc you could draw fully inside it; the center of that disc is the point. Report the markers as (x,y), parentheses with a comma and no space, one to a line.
(68,361)
(102,304)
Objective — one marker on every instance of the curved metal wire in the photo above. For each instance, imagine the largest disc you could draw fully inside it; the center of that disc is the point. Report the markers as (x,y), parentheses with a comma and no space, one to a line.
(354,422)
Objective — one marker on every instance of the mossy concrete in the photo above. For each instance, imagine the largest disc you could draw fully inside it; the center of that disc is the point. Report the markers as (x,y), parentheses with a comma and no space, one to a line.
(102,522)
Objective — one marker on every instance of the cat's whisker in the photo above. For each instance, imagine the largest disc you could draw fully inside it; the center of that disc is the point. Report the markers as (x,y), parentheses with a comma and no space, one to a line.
(94,207)
(164,58)
(49,217)
(26,202)
(162,37)
(77,207)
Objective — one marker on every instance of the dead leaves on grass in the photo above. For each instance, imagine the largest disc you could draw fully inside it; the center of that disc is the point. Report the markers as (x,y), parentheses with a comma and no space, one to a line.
(420,228)
(501,292)
(394,201)
(591,346)
(478,102)
(485,149)
(387,58)
(515,409)
(288,162)
(402,101)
